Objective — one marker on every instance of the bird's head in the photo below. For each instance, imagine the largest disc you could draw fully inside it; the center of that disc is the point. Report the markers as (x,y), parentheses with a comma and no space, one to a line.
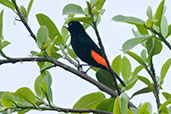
(74,27)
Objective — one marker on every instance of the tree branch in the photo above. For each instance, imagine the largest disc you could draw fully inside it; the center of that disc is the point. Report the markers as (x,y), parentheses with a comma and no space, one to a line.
(84,76)
(77,110)
(64,66)
(58,109)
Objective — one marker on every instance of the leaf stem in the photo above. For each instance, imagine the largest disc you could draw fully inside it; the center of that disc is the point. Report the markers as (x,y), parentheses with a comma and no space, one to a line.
(160,36)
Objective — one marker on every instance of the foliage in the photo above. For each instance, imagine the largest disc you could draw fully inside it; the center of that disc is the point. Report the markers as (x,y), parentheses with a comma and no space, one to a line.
(152,34)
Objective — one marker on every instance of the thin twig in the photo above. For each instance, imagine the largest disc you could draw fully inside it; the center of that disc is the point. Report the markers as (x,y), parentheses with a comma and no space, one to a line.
(105,57)
(160,36)
(24,21)
(69,59)
(156,89)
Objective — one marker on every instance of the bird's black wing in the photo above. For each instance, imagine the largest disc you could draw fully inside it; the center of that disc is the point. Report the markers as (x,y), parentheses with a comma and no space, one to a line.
(85,39)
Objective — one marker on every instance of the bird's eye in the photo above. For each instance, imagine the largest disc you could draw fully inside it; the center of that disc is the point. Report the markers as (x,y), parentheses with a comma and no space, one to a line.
(70,24)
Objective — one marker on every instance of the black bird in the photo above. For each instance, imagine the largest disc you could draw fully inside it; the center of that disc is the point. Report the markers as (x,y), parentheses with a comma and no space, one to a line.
(85,48)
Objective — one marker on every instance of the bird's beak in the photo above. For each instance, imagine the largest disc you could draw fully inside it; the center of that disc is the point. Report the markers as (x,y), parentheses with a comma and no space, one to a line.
(66,26)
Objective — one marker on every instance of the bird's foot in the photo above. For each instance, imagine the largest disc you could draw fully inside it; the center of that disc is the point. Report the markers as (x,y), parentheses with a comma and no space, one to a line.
(80,68)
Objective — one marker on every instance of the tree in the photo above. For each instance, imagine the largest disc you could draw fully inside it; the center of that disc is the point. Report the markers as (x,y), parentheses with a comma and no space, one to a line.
(54,45)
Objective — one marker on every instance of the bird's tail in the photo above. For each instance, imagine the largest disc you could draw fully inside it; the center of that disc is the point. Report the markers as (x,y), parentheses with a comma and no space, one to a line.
(120,80)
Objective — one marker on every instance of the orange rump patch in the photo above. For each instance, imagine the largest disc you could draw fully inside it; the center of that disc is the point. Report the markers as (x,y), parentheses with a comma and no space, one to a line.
(98,58)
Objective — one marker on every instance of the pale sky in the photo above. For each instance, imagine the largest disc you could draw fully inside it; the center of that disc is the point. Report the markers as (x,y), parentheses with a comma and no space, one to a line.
(68,88)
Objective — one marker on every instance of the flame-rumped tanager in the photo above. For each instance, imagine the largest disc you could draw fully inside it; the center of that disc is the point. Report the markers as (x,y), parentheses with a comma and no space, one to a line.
(85,48)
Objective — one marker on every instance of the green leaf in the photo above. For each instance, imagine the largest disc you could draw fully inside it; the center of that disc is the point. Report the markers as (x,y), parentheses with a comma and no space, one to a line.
(137,58)
(133,78)
(1,23)
(166,95)
(153,46)
(52,49)
(29,6)
(105,78)
(8,99)
(89,7)
(162,106)
(128,19)
(4,44)
(34,53)
(26,94)
(106,105)
(41,64)
(23,111)
(146,81)
(81,19)
(144,109)
(48,80)
(131,43)
(130,111)
(137,70)
(132,20)
(46,21)
(56,55)
(99,4)
(116,64)
(23,12)
(136,33)
(159,13)
(72,9)
(134,110)
(89,101)
(169,30)
(45,65)
(164,69)
(93,2)
(42,36)
(8,4)
(142,29)
(1,93)
(116,107)
(58,40)
(123,102)
(65,34)
(126,68)
(164,26)
(149,23)
(149,12)
(143,55)
(131,82)
(169,109)
(142,91)
(38,87)
(72,53)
